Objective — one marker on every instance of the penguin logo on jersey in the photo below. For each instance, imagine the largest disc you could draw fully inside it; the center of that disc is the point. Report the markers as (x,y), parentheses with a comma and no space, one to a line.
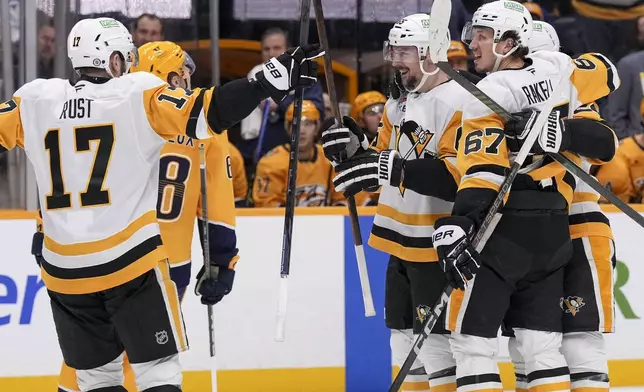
(423,311)
(411,140)
(571,304)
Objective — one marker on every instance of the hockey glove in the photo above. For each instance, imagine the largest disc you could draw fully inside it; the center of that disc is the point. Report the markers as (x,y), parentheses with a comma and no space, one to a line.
(457,257)
(213,289)
(553,138)
(36,246)
(369,171)
(293,68)
(342,143)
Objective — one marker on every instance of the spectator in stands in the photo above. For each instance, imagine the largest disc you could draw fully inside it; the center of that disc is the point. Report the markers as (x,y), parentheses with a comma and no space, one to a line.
(535,10)
(238,172)
(457,56)
(624,175)
(274,42)
(609,26)
(623,111)
(46,50)
(147,28)
(314,185)
(367,110)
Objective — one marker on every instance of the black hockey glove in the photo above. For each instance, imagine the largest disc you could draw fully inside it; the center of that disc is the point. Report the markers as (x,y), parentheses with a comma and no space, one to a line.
(36,246)
(293,68)
(457,257)
(212,290)
(369,171)
(342,143)
(554,136)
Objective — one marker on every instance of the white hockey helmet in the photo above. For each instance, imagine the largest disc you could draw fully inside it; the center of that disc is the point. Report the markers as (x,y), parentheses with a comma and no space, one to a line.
(544,37)
(91,42)
(412,30)
(501,16)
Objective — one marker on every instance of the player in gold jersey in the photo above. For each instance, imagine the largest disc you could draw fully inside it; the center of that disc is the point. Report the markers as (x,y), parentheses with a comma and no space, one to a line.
(314,186)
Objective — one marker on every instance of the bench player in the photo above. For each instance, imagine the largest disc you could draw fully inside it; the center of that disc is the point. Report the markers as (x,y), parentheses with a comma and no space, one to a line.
(521,280)
(95,149)
(419,126)
(587,303)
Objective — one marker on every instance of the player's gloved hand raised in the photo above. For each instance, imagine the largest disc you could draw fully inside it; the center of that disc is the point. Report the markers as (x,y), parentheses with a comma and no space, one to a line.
(368,172)
(212,290)
(553,138)
(457,257)
(293,68)
(341,143)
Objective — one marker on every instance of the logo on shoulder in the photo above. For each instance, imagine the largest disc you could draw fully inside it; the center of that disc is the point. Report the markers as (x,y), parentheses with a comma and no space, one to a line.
(571,304)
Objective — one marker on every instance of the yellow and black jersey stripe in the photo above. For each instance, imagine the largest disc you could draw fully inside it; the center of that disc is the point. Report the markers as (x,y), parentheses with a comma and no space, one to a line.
(381,141)
(115,260)
(608,10)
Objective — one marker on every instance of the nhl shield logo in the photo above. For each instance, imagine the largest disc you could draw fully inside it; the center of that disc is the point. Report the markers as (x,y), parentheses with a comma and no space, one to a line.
(162,337)
(571,304)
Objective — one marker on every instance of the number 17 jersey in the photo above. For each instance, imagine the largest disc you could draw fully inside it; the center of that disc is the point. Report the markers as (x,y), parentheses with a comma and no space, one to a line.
(95,151)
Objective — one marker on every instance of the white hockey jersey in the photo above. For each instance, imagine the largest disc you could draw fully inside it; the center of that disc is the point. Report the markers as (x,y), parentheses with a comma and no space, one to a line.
(416,125)
(95,151)
(482,153)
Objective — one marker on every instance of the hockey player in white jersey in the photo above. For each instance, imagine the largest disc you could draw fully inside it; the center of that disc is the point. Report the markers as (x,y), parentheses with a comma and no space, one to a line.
(588,276)
(519,273)
(412,161)
(94,146)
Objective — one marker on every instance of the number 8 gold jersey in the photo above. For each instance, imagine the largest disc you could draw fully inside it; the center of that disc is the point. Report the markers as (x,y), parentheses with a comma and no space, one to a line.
(95,150)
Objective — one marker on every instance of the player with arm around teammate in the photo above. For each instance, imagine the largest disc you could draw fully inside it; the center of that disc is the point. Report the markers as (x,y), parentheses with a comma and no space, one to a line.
(412,162)
(520,281)
(587,304)
(95,149)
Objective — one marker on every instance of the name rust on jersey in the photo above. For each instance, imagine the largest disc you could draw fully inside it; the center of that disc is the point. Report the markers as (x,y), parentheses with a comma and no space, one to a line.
(538,92)
(76,108)
(183,140)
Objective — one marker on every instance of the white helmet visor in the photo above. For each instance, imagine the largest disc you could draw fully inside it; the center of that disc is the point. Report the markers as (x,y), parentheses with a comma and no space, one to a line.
(402,54)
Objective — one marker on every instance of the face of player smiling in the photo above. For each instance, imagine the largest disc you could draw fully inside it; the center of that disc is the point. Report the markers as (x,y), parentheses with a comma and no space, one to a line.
(405,59)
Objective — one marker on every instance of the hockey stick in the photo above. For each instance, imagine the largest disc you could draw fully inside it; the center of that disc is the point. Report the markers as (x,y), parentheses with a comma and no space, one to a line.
(262,131)
(290,190)
(441,10)
(208,270)
(369,309)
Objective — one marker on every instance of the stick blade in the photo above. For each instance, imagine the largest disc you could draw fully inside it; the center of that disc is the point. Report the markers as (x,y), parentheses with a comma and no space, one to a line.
(439,37)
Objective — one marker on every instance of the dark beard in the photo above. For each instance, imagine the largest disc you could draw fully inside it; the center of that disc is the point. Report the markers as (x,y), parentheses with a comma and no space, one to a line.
(411,83)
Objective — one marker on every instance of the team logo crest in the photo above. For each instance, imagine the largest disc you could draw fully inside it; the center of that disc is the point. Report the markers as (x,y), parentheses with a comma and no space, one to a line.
(423,311)
(411,140)
(162,337)
(571,304)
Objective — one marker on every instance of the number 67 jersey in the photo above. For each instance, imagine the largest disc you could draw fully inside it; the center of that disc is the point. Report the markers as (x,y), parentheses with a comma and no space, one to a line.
(95,150)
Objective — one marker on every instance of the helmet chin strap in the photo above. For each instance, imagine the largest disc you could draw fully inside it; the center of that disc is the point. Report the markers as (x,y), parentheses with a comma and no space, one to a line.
(500,57)
(424,78)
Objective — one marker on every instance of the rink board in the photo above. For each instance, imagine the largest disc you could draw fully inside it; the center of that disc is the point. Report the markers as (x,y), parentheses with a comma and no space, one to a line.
(330,345)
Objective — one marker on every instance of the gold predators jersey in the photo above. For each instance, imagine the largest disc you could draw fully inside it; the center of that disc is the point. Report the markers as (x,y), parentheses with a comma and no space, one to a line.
(482,152)
(240,183)
(314,185)
(95,151)
(416,125)
(624,175)
(180,197)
